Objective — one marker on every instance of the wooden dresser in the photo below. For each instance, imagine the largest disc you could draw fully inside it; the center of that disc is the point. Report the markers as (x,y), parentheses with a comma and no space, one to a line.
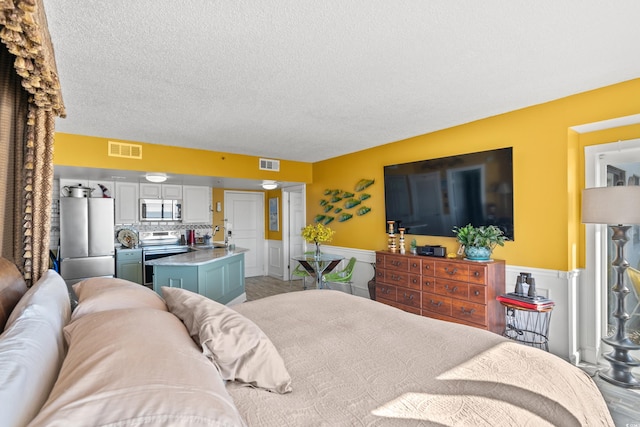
(448,289)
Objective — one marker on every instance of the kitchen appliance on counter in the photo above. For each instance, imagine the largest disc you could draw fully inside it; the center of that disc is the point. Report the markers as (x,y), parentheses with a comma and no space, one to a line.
(160,210)
(86,238)
(159,244)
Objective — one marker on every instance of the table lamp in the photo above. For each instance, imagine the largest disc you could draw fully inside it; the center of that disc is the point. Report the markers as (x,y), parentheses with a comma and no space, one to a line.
(616,205)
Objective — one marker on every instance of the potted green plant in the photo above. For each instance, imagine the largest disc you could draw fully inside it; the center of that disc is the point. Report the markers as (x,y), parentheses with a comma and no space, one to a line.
(479,242)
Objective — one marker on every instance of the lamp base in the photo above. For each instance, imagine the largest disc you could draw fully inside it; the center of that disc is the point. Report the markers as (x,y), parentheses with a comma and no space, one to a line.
(620,360)
(621,364)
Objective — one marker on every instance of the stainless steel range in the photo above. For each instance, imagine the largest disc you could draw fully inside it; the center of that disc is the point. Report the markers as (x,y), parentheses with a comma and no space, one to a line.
(159,244)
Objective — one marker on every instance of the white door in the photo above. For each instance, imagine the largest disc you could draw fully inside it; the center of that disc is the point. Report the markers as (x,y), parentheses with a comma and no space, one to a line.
(244,218)
(295,222)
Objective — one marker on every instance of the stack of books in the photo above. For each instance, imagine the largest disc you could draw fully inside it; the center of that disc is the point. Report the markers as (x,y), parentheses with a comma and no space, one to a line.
(535,303)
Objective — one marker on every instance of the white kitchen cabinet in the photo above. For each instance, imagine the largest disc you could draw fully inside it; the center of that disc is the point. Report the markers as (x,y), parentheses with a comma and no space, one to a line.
(171,191)
(126,202)
(196,204)
(160,191)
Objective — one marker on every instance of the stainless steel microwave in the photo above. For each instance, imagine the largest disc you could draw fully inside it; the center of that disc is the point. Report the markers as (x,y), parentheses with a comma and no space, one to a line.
(160,210)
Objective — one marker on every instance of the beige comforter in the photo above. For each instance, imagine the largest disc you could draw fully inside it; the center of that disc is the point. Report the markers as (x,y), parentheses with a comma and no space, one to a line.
(356,362)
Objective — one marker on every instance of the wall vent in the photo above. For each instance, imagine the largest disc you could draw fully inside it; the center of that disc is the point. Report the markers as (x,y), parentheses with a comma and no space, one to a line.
(122,149)
(269,165)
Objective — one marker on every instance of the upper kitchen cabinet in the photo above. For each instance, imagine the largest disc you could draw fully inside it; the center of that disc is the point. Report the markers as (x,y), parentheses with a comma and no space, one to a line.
(126,202)
(196,204)
(160,191)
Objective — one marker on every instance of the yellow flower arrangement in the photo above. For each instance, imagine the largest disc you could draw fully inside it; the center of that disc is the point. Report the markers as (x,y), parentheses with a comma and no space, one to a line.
(317,233)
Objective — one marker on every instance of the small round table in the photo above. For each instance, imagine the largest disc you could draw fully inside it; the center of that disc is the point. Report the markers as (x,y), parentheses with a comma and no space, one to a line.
(319,266)
(527,325)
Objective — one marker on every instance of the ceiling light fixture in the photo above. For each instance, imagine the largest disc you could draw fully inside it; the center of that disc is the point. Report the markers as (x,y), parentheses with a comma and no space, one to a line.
(156,177)
(269,185)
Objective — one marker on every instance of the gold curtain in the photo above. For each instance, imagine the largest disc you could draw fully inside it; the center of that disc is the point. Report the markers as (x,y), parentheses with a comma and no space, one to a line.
(26,35)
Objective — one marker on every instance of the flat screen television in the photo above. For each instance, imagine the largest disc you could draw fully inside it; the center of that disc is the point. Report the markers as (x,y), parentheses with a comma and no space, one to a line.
(431,197)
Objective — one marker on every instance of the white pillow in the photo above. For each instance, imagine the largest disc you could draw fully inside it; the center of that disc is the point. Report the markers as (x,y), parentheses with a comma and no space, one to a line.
(134,367)
(32,349)
(236,345)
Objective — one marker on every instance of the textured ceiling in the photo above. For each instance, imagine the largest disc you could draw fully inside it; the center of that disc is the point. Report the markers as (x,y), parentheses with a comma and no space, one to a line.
(310,80)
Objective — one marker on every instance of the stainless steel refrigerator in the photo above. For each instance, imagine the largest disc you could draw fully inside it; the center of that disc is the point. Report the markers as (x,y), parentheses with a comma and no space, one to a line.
(86,238)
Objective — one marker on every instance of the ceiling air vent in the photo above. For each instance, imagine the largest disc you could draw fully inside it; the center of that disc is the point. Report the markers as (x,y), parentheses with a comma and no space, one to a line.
(269,165)
(122,149)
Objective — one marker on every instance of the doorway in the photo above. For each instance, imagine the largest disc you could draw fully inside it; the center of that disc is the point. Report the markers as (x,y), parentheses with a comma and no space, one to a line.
(607,165)
(293,220)
(244,226)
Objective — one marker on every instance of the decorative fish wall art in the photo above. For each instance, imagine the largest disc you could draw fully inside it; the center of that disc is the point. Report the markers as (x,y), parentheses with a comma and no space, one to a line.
(337,200)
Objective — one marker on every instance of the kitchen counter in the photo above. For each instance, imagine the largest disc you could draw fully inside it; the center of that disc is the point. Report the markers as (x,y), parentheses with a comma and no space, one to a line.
(197,257)
(216,273)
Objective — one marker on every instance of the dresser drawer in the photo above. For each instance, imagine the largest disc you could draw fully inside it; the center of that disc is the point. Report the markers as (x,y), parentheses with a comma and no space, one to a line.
(399,263)
(478,274)
(436,303)
(415,282)
(451,288)
(409,297)
(469,311)
(386,292)
(452,270)
(478,294)
(428,267)
(429,284)
(415,265)
(394,277)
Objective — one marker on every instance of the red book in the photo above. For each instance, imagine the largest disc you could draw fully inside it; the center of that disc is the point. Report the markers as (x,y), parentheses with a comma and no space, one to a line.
(523,304)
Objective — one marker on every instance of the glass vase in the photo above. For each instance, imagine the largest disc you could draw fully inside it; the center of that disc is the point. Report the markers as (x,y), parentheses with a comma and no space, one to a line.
(318,254)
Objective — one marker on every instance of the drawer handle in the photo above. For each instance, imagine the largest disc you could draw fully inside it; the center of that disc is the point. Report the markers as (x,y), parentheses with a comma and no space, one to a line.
(427,267)
(396,278)
(467,313)
(452,290)
(414,265)
(396,263)
(476,273)
(476,293)
(414,280)
(436,304)
(409,297)
(452,272)
(385,290)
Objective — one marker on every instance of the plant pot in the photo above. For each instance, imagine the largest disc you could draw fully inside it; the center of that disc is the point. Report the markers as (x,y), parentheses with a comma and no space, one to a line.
(477,253)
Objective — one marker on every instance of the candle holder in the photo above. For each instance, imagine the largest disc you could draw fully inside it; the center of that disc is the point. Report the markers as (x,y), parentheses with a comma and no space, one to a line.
(401,243)
(392,237)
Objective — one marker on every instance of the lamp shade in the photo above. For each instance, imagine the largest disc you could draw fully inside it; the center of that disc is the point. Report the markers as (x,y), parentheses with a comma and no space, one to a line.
(611,205)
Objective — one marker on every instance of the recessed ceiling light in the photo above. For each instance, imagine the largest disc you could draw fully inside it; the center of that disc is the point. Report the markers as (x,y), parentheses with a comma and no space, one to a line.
(156,177)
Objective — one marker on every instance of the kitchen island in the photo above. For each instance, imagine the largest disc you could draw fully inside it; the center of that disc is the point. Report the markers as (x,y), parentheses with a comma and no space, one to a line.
(216,273)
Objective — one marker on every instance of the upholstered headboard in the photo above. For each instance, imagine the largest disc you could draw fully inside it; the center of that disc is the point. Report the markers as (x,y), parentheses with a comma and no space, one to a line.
(12,288)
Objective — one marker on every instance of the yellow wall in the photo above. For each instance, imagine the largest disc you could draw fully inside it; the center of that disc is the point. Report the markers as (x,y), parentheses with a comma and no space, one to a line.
(548,174)
(89,151)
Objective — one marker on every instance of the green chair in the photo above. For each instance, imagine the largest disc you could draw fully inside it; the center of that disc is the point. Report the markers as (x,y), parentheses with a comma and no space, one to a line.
(299,271)
(342,276)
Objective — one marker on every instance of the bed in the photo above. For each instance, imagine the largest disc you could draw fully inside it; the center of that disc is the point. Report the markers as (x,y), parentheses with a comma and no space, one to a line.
(354,361)
(128,357)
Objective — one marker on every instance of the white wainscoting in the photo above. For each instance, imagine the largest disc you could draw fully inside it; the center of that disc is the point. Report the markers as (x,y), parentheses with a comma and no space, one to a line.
(275,262)
(560,286)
